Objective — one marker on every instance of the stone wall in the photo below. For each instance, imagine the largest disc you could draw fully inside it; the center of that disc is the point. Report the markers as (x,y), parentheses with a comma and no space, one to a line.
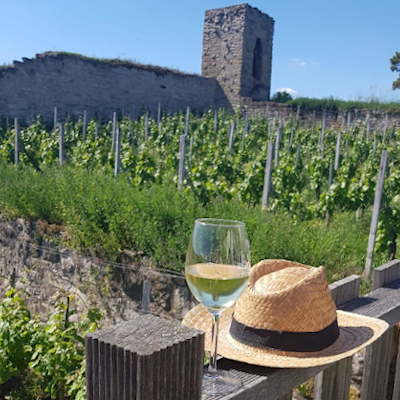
(73,84)
(49,275)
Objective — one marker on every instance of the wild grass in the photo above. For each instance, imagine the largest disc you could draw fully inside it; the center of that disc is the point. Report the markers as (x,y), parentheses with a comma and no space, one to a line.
(107,215)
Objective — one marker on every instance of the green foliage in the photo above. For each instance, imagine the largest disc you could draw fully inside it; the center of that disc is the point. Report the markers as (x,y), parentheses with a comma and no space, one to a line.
(281,97)
(395,67)
(141,209)
(334,104)
(42,361)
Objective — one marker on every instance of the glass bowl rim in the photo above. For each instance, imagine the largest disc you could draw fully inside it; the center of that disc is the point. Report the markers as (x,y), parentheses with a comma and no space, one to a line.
(227,223)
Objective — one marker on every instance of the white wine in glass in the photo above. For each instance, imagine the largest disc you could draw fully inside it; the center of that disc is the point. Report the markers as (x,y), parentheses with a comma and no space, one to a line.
(217,269)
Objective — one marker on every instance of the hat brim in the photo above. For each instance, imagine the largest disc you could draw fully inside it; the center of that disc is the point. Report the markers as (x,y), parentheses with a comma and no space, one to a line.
(356,332)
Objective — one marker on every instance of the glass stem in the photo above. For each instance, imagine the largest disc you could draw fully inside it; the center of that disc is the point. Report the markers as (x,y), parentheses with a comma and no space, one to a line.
(212,368)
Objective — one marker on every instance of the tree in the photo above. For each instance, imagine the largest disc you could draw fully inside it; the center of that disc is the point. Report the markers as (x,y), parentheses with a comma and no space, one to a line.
(281,97)
(395,67)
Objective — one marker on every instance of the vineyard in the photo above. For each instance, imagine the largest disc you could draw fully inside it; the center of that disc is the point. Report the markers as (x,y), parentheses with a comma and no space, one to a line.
(309,174)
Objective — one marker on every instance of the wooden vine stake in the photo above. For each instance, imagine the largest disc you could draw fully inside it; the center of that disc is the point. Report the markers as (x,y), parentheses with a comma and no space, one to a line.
(55,119)
(190,148)
(298,114)
(61,143)
(296,163)
(117,161)
(159,117)
(245,129)
(385,128)
(277,145)
(215,121)
(337,154)
(146,296)
(368,127)
(16,141)
(375,214)
(182,158)
(146,126)
(268,175)
(84,125)
(231,134)
(187,121)
(114,128)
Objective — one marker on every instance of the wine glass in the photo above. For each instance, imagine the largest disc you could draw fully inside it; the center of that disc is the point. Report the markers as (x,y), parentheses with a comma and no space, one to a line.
(217,269)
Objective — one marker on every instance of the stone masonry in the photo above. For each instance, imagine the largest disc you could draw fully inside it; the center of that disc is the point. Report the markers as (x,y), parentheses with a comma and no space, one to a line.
(236,69)
(237,51)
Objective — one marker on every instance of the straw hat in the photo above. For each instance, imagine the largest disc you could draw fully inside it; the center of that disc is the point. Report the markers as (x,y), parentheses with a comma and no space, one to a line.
(286,318)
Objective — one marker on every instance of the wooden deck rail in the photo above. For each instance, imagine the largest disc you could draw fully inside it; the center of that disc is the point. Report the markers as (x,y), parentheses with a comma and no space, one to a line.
(153,359)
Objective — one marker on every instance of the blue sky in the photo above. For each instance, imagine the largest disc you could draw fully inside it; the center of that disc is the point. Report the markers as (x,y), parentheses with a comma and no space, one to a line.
(321,49)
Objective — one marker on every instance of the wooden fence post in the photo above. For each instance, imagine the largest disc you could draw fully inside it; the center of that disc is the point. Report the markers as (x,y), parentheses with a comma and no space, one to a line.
(182,158)
(16,141)
(337,154)
(215,121)
(61,143)
(334,382)
(117,161)
(267,175)
(96,132)
(146,358)
(375,214)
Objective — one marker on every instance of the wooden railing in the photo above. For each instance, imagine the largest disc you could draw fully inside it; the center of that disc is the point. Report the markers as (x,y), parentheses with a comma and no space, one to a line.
(151,358)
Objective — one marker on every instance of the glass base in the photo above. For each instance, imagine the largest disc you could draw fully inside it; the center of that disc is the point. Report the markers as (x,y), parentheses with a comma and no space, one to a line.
(221,382)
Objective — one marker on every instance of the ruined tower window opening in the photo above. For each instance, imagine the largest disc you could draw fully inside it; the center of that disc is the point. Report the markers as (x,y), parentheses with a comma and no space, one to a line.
(257,60)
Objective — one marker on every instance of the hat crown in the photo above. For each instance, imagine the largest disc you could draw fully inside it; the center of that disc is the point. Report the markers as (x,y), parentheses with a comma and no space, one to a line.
(286,296)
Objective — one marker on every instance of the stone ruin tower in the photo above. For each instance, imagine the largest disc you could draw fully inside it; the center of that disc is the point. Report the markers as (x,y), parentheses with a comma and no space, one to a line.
(237,52)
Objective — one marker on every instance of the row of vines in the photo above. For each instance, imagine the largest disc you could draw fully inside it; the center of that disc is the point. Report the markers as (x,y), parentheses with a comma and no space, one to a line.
(150,154)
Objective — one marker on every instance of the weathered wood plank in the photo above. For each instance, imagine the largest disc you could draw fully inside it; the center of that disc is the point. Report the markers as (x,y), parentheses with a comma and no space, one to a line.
(287,396)
(396,388)
(376,368)
(386,273)
(334,382)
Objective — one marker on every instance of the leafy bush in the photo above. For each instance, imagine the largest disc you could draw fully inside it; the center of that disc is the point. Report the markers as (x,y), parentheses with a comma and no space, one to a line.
(42,361)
